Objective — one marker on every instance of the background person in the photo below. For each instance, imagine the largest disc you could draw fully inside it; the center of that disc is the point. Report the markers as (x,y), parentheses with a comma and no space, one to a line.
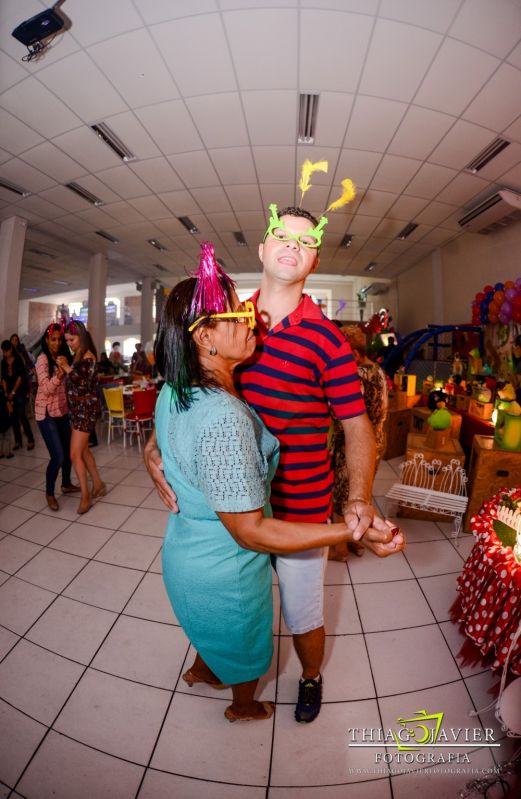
(6,423)
(14,383)
(115,356)
(84,408)
(139,364)
(51,411)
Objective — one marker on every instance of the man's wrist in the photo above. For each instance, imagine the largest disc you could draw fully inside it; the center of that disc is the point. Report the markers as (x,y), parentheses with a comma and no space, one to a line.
(359,499)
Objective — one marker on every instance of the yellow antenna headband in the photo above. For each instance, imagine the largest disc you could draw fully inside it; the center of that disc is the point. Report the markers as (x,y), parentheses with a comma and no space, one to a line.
(349,189)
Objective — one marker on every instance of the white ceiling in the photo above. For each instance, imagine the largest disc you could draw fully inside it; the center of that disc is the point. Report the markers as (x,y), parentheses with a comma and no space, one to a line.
(205,94)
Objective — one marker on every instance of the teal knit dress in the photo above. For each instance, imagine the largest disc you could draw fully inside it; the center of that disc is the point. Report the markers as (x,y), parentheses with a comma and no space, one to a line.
(218,456)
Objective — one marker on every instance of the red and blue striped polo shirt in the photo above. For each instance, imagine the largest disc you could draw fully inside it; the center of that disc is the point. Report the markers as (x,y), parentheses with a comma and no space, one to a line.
(301,368)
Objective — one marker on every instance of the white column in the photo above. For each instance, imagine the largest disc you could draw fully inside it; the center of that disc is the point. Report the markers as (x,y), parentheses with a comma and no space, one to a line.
(12,241)
(147,322)
(97,291)
(437,288)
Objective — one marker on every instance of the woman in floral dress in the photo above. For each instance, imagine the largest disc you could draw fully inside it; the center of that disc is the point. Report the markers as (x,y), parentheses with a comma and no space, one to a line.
(84,407)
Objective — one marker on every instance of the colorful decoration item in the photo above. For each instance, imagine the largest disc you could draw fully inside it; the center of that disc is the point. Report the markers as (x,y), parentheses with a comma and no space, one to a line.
(307,170)
(498,304)
(311,238)
(210,293)
(347,196)
(507,432)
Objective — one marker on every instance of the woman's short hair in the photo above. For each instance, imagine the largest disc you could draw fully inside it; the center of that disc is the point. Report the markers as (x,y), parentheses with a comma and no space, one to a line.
(77,328)
(175,350)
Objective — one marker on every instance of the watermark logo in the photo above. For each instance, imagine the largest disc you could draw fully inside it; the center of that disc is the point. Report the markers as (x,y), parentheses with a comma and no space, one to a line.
(426,735)
(417,732)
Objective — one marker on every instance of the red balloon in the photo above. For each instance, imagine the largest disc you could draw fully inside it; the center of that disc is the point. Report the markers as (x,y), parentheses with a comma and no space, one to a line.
(488,288)
(516,302)
(480,297)
(493,319)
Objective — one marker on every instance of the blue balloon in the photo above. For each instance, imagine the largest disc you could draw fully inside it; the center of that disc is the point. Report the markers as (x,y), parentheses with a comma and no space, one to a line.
(499,286)
(490,295)
(483,305)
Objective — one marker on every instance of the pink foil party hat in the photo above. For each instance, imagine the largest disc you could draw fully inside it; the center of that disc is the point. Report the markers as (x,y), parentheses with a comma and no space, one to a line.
(210,293)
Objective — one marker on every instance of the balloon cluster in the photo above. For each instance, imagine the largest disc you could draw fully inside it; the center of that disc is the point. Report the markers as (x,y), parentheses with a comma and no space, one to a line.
(499,303)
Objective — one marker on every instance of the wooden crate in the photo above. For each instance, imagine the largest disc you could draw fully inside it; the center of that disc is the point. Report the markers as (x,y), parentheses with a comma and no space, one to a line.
(462,402)
(396,431)
(416,443)
(419,418)
(481,410)
(491,468)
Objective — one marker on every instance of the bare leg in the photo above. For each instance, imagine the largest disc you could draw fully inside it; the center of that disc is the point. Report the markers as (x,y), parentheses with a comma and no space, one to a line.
(310,650)
(201,672)
(90,464)
(79,442)
(243,702)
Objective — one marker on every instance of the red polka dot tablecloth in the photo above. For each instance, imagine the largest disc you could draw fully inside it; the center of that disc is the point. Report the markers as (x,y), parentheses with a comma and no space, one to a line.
(489,605)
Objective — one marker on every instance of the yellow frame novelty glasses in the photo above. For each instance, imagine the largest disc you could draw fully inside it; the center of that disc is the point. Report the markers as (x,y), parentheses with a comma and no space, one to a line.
(312,238)
(248,315)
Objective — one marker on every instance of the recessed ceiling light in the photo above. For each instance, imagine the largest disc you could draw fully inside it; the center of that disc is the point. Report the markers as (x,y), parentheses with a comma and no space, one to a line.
(370,266)
(42,252)
(105,235)
(6,184)
(102,130)
(188,224)
(157,244)
(486,155)
(307,118)
(408,229)
(239,238)
(86,195)
(40,268)
(347,240)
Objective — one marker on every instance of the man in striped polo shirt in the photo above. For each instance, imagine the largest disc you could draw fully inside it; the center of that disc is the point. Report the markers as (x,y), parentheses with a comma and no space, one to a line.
(303,369)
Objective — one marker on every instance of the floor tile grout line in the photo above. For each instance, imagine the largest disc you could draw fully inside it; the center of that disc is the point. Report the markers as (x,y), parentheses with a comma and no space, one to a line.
(373,679)
(163,722)
(277,704)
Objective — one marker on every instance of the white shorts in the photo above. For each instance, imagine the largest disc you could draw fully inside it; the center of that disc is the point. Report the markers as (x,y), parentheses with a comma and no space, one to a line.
(301,585)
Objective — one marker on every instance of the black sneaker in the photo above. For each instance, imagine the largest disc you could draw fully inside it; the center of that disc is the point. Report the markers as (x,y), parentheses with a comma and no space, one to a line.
(309,700)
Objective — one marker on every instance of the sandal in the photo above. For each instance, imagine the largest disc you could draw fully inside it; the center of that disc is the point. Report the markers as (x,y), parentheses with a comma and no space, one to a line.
(191,678)
(269,709)
(84,506)
(101,491)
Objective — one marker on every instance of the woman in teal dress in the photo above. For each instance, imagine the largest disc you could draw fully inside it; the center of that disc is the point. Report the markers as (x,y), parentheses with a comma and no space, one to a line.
(220,458)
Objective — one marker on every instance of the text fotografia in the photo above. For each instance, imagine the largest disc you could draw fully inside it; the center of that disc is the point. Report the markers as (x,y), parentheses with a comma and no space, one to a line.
(422,730)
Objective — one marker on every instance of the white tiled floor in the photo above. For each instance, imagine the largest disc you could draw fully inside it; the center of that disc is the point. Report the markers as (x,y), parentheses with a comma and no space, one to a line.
(91,702)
